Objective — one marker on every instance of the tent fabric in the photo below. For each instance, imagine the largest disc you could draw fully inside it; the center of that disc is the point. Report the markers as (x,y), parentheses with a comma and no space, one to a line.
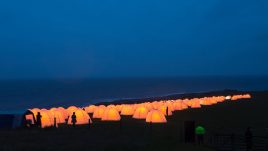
(111,114)
(156,116)
(140,113)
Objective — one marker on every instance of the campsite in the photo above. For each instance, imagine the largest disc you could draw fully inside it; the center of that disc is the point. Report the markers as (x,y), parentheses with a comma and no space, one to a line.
(112,132)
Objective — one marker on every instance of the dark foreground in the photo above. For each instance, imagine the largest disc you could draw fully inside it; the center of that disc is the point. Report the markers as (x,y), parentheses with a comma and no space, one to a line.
(135,135)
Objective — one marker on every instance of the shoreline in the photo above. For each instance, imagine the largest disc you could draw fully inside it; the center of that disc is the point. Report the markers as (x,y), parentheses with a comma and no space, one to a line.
(176,96)
(148,99)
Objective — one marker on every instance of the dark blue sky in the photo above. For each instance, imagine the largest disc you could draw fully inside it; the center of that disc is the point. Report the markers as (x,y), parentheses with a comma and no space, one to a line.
(110,38)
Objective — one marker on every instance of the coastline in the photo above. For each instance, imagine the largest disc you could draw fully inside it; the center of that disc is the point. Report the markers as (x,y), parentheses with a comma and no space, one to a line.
(146,99)
(176,96)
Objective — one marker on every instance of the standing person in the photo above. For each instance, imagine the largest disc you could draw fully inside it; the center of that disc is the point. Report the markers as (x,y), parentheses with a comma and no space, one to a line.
(38,120)
(200,132)
(74,119)
(248,139)
(167,111)
(55,122)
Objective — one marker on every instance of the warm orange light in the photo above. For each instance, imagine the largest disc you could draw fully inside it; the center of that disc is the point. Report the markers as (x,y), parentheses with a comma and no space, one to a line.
(110,114)
(163,109)
(155,116)
(81,117)
(98,112)
(140,113)
(71,109)
(127,110)
(90,109)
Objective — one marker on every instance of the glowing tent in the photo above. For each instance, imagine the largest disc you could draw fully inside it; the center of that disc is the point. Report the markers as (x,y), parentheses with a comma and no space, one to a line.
(71,109)
(155,116)
(47,119)
(90,109)
(140,113)
(64,112)
(98,112)
(58,115)
(127,110)
(110,114)
(163,109)
(81,117)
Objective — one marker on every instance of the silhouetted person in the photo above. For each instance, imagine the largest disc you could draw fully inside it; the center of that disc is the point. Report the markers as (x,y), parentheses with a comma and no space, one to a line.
(167,111)
(74,119)
(38,120)
(55,122)
(248,139)
(200,132)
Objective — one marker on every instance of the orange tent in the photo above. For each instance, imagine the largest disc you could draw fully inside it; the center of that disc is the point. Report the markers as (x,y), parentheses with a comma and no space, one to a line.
(71,109)
(155,116)
(140,113)
(163,109)
(127,110)
(81,117)
(111,106)
(58,114)
(90,109)
(64,112)
(178,105)
(47,119)
(118,108)
(110,114)
(195,103)
(98,112)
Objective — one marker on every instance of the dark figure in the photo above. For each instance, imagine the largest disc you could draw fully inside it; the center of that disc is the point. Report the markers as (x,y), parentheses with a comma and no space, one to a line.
(248,139)
(38,120)
(200,132)
(74,119)
(167,111)
(55,122)
(200,139)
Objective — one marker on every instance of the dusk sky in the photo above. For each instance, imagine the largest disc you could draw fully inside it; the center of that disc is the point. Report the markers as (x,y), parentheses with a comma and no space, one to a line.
(121,38)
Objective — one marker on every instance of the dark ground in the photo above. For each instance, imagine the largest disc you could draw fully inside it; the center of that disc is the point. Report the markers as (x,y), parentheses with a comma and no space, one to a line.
(135,135)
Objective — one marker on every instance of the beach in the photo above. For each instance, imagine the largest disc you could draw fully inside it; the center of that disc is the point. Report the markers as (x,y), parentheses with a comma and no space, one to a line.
(227,117)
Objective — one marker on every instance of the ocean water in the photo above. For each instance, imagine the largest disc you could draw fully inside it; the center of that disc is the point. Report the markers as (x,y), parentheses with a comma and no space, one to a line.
(19,95)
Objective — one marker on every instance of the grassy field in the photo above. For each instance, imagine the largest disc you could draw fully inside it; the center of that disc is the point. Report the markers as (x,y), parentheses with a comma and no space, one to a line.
(135,135)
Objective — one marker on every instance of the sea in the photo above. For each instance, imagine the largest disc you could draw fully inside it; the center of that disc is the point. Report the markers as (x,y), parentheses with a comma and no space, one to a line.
(20,95)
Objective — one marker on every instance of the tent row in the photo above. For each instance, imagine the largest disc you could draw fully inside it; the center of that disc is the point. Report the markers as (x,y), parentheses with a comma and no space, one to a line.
(152,112)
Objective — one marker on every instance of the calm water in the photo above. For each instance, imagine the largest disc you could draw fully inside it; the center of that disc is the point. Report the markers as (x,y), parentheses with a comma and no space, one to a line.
(22,94)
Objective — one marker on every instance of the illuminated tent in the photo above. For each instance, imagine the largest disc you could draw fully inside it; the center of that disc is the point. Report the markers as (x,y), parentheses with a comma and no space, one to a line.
(98,112)
(195,103)
(110,114)
(127,110)
(119,107)
(90,109)
(155,116)
(81,117)
(47,119)
(163,109)
(111,106)
(58,114)
(71,109)
(64,112)
(140,113)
